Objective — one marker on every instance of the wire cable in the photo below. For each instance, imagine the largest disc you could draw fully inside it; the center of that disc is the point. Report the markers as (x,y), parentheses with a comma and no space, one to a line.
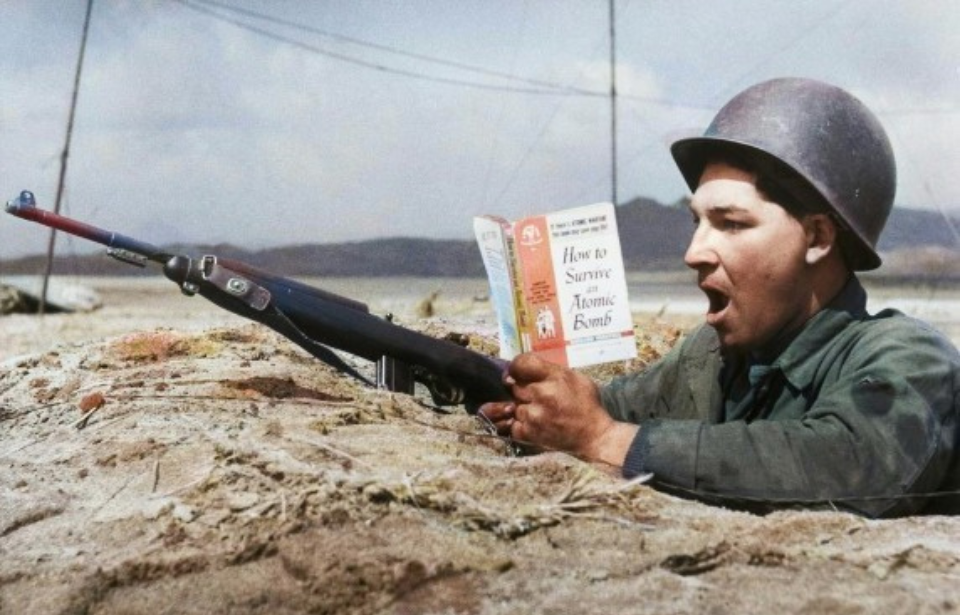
(377,66)
(394,50)
(767,57)
(543,88)
(494,147)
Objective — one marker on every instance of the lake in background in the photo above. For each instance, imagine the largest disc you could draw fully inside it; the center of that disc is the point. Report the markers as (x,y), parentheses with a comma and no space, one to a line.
(651,294)
(136,304)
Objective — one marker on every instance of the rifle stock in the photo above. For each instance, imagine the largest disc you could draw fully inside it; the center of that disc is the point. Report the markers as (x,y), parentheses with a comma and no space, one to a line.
(310,317)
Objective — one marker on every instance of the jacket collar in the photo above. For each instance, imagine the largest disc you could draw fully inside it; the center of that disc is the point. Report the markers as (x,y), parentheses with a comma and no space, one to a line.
(813,338)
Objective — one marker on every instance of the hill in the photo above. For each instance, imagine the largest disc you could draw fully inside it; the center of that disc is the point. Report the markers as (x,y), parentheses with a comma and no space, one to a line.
(653,236)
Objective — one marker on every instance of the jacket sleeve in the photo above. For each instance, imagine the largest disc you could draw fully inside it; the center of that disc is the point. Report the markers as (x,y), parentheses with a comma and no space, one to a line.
(683,384)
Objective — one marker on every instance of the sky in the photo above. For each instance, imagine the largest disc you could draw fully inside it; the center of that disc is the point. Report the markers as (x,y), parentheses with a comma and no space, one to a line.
(265,123)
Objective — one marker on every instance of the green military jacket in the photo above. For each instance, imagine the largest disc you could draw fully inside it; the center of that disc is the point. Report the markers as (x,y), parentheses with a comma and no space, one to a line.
(857,411)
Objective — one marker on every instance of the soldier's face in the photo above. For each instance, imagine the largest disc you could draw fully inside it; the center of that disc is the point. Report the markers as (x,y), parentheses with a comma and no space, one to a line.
(749,254)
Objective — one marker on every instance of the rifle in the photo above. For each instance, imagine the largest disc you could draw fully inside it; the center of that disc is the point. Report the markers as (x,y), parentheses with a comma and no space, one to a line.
(314,319)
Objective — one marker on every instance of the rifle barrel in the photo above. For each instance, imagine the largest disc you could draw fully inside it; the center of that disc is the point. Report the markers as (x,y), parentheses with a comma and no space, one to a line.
(25,207)
(310,317)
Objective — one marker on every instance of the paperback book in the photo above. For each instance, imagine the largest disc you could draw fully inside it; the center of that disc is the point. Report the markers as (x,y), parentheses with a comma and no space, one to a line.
(558,285)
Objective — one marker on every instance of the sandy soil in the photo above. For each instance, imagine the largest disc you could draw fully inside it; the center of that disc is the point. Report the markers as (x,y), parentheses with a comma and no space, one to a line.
(221,470)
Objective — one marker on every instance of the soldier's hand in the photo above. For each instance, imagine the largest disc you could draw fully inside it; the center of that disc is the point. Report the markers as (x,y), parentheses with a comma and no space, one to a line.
(555,407)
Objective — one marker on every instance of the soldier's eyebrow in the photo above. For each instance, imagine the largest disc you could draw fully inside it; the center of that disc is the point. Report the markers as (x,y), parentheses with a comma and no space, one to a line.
(721,209)
(727,208)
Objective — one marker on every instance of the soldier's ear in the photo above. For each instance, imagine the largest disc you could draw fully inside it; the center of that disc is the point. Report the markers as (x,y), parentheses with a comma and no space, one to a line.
(821,234)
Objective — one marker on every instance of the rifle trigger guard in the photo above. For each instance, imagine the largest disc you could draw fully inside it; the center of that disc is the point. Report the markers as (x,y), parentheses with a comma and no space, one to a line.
(253,295)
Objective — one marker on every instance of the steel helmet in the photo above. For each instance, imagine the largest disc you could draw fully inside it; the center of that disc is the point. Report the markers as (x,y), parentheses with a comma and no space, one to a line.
(817,143)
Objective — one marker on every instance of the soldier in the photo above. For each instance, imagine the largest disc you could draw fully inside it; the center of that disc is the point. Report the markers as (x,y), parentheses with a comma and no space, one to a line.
(789,393)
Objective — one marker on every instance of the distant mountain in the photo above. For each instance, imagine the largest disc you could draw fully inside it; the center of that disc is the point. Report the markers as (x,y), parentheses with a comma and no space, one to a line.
(916,228)
(653,237)
(402,256)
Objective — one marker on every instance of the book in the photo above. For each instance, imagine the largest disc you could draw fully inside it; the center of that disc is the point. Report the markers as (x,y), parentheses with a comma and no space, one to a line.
(558,286)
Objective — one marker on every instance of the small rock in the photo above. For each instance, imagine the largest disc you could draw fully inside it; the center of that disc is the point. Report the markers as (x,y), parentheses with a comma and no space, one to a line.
(214,518)
(92,401)
(156,508)
(185,513)
(242,501)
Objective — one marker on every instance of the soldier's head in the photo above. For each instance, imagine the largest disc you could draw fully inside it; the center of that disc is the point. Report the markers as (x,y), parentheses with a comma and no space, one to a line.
(793,182)
(814,147)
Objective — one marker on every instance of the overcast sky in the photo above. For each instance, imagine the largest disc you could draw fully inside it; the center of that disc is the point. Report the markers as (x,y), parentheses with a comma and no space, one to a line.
(343,120)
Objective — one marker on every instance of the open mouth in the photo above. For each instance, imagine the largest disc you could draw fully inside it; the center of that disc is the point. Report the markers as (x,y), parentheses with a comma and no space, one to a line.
(718,302)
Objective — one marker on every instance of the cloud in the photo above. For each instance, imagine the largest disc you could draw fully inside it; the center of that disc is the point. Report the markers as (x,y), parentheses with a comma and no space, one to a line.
(191,129)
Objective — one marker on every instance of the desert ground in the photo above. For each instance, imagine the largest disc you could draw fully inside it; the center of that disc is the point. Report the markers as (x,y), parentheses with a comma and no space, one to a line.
(159,455)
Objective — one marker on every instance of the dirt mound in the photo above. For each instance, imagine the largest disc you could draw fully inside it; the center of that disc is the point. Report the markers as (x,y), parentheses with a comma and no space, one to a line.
(223,471)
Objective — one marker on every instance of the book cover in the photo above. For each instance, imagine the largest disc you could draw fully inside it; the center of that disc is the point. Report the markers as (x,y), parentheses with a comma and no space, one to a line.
(568,293)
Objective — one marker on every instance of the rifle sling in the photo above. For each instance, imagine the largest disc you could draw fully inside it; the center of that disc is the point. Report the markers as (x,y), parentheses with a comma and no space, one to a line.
(258,298)
(279,322)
